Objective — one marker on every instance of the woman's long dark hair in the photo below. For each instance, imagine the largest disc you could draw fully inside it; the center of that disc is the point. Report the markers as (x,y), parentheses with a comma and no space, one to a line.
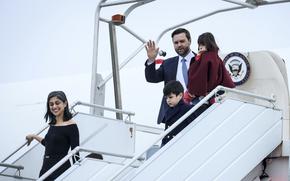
(67,115)
(207,40)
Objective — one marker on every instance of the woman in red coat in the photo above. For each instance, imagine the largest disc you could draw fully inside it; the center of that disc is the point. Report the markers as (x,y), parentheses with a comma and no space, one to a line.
(207,71)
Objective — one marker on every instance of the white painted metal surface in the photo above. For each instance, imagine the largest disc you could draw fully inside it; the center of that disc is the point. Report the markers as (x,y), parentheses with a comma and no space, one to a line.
(232,144)
(105,134)
(97,133)
(92,169)
(226,144)
(31,160)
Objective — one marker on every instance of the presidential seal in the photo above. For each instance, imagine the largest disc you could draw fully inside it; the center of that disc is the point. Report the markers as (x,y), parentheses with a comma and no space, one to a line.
(238,66)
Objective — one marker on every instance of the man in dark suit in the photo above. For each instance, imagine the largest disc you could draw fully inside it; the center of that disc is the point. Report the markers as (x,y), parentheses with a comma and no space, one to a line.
(172,68)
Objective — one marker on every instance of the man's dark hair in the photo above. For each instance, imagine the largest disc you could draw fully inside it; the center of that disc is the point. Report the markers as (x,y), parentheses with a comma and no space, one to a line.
(181,30)
(174,87)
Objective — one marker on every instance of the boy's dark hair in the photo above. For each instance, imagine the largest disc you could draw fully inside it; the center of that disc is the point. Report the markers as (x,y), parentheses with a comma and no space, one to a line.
(207,39)
(181,30)
(174,87)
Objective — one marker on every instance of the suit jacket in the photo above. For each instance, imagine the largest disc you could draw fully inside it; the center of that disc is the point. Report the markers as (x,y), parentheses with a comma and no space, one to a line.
(166,72)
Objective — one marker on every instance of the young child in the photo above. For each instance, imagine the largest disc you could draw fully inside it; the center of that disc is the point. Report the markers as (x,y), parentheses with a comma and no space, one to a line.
(173,92)
(207,71)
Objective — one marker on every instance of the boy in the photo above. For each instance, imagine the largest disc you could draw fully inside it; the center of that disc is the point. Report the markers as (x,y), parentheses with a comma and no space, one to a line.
(173,93)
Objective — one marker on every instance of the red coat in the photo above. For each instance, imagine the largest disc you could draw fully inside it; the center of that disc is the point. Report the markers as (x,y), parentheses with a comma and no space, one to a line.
(207,73)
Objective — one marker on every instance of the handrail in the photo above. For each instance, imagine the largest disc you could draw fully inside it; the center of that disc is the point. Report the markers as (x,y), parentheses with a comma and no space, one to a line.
(17,177)
(102,107)
(213,13)
(245,4)
(149,129)
(121,66)
(18,167)
(181,119)
(72,108)
(126,29)
(195,19)
(129,58)
(21,146)
(72,153)
(102,3)
(134,6)
(95,52)
(245,93)
(161,34)
(120,2)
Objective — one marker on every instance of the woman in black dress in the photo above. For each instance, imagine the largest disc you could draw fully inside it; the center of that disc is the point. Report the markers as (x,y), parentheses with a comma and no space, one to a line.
(62,134)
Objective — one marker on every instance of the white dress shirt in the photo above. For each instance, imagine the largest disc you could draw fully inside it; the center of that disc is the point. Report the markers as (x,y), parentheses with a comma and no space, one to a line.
(179,75)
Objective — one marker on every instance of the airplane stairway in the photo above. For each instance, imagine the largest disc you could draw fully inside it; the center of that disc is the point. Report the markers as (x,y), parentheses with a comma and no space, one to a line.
(225,143)
(95,134)
(93,169)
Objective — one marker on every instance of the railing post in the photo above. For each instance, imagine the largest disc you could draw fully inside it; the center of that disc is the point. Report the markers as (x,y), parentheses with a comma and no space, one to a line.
(115,67)
(95,54)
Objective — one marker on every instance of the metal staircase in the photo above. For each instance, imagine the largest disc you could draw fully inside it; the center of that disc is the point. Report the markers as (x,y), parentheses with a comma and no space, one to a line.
(225,143)
(115,138)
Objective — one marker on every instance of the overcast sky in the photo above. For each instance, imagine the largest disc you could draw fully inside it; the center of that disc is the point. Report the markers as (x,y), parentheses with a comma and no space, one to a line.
(44,42)
(49,38)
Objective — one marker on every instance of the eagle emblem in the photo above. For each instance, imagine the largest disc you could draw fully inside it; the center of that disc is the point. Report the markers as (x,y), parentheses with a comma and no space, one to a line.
(238,67)
(235,69)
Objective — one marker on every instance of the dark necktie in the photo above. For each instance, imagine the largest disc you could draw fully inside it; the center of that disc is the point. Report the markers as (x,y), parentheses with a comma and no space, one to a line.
(184,71)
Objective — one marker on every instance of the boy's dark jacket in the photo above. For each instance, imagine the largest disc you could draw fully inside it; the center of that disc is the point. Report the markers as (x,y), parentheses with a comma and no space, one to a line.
(174,113)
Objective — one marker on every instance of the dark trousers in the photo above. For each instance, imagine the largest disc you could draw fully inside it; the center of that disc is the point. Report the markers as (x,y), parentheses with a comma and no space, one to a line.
(182,125)
(50,161)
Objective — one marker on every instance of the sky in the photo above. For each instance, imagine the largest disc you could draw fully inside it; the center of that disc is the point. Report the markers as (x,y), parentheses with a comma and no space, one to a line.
(42,39)
(48,45)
